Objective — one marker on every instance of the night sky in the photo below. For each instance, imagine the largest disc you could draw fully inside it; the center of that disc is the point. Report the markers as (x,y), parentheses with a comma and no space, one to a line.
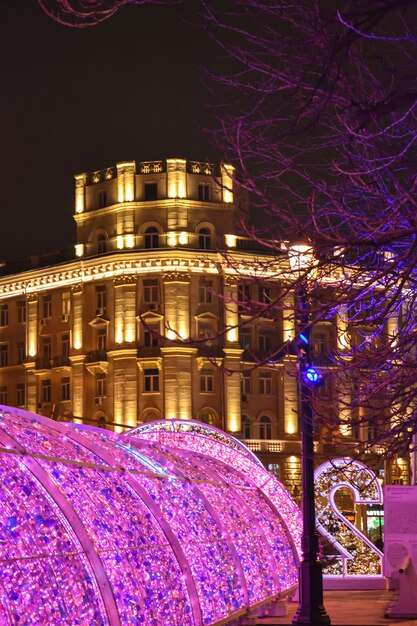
(79,100)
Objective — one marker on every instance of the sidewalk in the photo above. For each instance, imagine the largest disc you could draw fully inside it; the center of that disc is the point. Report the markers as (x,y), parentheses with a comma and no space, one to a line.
(349,608)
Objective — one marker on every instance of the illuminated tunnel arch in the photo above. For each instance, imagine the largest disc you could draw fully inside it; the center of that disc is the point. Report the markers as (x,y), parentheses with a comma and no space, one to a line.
(172,523)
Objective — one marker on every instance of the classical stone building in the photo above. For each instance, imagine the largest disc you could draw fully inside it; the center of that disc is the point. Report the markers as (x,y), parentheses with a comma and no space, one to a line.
(144,321)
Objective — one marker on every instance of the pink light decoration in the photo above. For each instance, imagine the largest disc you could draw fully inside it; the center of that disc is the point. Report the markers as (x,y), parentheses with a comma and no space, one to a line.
(158,526)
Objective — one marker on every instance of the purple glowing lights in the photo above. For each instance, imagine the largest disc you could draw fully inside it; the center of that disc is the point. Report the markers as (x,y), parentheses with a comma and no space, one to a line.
(173,523)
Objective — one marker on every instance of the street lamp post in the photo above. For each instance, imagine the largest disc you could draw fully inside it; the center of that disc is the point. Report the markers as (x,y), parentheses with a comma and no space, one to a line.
(310,610)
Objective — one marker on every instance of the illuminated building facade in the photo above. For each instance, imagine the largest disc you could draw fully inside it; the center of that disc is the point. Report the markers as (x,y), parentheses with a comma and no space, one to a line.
(127,330)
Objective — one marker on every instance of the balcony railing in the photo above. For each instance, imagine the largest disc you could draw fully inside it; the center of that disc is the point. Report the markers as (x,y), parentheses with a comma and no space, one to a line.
(96,355)
(61,361)
(43,363)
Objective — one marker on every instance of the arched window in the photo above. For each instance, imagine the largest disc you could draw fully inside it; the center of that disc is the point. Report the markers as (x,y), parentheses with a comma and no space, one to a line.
(245,422)
(101,243)
(204,239)
(101,422)
(265,428)
(207,417)
(151,237)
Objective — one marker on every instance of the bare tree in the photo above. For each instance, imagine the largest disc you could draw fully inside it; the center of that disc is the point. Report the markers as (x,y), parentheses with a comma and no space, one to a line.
(318,111)
(83,13)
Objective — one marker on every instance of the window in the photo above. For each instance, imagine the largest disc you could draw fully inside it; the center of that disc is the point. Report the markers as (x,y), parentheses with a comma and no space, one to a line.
(65,303)
(150,191)
(245,425)
(244,337)
(4,355)
(207,417)
(20,394)
(46,307)
(21,311)
(204,239)
(102,199)
(264,295)
(21,352)
(101,299)
(151,237)
(65,388)
(46,390)
(3,395)
(151,293)
(204,192)
(243,297)
(151,336)
(274,469)
(102,339)
(265,383)
(206,328)
(151,380)
(265,427)
(101,243)
(206,380)
(101,385)
(4,315)
(246,383)
(46,348)
(65,345)
(264,340)
(205,291)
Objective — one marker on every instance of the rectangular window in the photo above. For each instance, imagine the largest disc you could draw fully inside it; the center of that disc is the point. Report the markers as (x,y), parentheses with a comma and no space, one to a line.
(46,390)
(264,295)
(150,191)
(4,355)
(20,394)
(46,307)
(65,305)
(21,311)
(65,345)
(246,383)
(243,296)
(205,291)
(265,383)
(244,337)
(151,336)
(101,299)
(46,348)
(206,381)
(4,315)
(151,293)
(265,341)
(102,199)
(101,386)
(65,388)
(102,339)
(21,352)
(3,395)
(151,380)
(204,192)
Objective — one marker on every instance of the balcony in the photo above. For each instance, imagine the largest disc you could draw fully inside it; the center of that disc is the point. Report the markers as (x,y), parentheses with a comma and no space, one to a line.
(264,445)
(148,351)
(96,362)
(43,363)
(61,361)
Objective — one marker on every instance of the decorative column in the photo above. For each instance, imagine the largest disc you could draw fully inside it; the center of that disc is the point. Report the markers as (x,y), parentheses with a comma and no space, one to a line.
(232,390)
(80,182)
(126,181)
(77,352)
(123,357)
(231,315)
(177,357)
(227,182)
(290,396)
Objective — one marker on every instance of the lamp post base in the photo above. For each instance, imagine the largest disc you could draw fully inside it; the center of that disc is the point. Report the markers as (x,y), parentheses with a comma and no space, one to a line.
(311,611)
